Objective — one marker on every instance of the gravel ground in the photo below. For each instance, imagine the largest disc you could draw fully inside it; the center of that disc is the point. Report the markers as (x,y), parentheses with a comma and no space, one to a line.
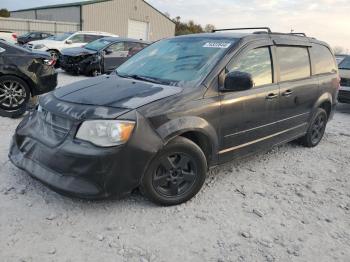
(290,204)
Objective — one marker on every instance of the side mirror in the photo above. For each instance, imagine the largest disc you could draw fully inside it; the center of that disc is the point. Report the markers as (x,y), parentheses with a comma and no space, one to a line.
(108,51)
(238,81)
(69,42)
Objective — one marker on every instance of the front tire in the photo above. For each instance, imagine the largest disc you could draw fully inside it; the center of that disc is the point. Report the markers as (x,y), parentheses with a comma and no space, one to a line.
(176,174)
(316,129)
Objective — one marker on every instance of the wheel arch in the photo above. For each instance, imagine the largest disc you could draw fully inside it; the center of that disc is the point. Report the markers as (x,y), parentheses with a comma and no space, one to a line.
(196,129)
(325,101)
(29,84)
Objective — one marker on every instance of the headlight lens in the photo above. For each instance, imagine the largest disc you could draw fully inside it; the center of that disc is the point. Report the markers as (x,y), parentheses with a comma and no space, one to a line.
(106,133)
(39,46)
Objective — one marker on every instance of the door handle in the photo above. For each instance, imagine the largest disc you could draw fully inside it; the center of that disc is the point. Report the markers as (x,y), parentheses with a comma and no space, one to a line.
(287,93)
(271,96)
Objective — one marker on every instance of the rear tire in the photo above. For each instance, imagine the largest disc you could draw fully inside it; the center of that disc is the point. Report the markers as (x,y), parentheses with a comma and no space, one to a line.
(14,94)
(176,174)
(316,129)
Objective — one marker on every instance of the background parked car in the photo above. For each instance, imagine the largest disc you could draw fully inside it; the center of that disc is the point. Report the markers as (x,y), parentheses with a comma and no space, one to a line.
(32,36)
(23,73)
(100,56)
(339,58)
(55,44)
(344,71)
(8,36)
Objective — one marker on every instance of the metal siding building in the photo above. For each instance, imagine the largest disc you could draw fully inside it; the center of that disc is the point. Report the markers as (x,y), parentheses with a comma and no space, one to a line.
(127,18)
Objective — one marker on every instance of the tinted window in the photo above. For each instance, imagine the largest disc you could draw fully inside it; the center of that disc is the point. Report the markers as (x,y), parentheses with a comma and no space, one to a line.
(323,60)
(294,63)
(257,63)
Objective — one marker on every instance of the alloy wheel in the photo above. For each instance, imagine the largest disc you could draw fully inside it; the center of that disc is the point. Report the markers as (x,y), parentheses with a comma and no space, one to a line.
(175,175)
(12,94)
(318,128)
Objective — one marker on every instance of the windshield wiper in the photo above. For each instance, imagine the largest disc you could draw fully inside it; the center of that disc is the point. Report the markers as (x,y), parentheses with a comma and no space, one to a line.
(144,78)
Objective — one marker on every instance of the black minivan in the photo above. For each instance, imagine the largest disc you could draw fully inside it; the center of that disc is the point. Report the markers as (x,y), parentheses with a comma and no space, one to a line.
(175,109)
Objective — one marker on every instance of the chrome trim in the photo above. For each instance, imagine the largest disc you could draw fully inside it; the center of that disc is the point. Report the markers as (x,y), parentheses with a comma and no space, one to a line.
(270,124)
(260,139)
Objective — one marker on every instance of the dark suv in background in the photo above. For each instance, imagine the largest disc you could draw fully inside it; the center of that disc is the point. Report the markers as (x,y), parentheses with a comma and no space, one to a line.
(177,108)
(32,36)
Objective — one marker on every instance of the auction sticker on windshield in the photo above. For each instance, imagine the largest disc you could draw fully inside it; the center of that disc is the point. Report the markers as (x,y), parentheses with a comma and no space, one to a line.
(217,45)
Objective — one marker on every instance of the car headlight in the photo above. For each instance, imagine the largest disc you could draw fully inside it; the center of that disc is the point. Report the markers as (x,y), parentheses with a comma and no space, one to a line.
(40,46)
(106,133)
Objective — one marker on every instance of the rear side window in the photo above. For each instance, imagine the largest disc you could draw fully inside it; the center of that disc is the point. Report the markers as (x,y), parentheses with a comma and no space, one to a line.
(323,60)
(294,63)
(256,62)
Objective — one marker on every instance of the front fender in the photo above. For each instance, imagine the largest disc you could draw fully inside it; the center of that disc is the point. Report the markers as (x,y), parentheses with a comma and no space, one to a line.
(179,126)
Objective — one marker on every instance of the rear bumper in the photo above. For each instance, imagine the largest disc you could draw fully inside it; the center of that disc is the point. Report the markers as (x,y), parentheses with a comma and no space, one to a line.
(80,169)
(46,82)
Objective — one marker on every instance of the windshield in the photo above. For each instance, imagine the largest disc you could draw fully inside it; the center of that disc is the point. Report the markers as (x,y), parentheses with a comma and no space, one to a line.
(345,64)
(179,60)
(61,37)
(98,44)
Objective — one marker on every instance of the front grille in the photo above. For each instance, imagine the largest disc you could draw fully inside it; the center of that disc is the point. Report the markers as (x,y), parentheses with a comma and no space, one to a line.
(70,59)
(50,128)
(345,82)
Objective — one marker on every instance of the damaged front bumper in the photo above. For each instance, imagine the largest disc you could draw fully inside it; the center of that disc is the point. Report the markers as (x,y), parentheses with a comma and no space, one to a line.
(80,65)
(78,168)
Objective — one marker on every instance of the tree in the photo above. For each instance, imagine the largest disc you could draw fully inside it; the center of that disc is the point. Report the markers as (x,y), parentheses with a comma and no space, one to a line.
(182,28)
(209,28)
(4,12)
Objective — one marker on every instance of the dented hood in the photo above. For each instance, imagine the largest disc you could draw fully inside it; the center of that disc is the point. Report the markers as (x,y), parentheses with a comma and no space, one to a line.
(77,51)
(114,91)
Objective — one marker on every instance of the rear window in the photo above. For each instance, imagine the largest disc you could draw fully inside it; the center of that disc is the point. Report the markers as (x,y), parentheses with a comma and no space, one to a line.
(323,60)
(294,63)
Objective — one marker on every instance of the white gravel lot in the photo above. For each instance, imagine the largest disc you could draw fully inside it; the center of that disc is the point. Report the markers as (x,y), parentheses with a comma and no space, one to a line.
(290,204)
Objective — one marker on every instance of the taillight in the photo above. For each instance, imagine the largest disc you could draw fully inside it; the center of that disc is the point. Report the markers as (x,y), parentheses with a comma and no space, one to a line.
(14,36)
(339,82)
(50,62)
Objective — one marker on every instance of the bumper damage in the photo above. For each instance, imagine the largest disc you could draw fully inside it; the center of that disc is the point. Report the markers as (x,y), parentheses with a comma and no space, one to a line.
(77,168)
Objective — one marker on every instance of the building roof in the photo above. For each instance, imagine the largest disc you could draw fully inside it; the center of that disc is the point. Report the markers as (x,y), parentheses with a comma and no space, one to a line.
(62,5)
(81,3)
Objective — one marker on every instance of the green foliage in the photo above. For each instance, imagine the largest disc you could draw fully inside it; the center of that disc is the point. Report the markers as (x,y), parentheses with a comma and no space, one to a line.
(190,27)
(4,12)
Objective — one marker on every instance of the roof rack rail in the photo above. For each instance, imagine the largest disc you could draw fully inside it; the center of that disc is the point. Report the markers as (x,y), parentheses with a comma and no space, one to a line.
(243,28)
(301,34)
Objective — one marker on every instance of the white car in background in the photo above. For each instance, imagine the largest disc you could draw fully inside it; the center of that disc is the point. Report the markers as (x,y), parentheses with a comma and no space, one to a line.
(8,36)
(55,44)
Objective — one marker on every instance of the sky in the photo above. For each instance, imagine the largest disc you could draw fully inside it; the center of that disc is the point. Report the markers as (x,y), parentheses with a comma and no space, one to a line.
(327,20)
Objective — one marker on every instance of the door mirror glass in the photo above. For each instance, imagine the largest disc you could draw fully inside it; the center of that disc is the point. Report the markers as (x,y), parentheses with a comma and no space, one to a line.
(238,81)
(108,51)
(68,42)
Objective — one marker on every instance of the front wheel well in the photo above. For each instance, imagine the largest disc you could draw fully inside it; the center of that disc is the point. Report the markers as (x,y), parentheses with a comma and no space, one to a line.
(327,106)
(202,141)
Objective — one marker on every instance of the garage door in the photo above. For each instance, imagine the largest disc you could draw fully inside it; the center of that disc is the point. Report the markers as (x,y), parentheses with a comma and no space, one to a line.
(138,30)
